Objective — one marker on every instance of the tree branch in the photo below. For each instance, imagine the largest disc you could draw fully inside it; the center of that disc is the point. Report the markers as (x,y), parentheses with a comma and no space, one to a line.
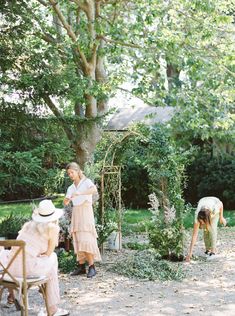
(130,92)
(59,116)
(94,55)
(69,30)
(80,4)
(47,38)
(200,21)
(119,42)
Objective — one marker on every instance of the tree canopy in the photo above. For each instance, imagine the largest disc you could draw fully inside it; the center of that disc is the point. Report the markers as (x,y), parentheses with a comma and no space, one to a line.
(70,56)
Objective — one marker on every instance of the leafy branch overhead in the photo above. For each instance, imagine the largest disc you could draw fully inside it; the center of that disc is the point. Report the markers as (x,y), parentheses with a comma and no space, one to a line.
(69,57)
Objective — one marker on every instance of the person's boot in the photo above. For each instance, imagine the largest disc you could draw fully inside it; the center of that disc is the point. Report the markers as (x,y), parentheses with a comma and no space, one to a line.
(81,269)
(91,271)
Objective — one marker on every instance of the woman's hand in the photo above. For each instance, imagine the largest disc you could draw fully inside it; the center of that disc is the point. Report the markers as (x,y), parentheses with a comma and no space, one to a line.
(223,221)
(75,194)
(43,255)
(66,201)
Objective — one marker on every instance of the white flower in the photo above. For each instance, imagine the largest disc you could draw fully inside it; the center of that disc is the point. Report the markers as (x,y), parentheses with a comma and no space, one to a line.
(154,203)
(169,214)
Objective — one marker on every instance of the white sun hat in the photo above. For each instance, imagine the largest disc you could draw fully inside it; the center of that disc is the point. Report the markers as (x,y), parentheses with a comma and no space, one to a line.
(46,212)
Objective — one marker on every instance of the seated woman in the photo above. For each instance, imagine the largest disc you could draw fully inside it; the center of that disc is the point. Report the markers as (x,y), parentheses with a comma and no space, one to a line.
(209,211)
(41,238)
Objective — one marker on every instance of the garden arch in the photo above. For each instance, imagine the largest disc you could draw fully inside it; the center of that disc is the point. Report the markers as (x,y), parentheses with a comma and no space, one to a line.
(164,165)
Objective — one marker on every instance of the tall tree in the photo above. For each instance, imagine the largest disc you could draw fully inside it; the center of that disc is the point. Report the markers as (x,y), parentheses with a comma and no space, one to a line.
(71,55)
(58,60)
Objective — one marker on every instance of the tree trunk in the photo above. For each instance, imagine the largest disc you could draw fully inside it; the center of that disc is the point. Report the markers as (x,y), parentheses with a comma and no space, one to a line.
(85,145)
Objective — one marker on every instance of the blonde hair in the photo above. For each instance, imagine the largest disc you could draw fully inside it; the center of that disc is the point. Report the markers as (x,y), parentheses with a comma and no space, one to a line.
(49,230)
(74,166)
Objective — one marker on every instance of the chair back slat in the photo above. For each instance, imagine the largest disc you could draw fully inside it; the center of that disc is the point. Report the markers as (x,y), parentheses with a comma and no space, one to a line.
(20,283)
(20,244)
(12,243)
(6,269)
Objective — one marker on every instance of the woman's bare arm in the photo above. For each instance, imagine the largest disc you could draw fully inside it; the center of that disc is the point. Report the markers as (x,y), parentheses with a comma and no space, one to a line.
(193,241)
(222,220)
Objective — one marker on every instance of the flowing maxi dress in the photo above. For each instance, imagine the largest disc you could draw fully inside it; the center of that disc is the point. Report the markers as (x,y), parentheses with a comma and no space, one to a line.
(83,229)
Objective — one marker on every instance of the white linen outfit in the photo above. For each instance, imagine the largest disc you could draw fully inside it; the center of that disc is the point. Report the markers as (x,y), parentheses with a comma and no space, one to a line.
(214,205)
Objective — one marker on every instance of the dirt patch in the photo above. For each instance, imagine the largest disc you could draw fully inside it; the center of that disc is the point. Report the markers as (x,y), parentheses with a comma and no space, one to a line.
(208,288)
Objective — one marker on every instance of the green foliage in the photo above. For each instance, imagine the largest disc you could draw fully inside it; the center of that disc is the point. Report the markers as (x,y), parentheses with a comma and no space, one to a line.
(147,156)
(67,261)
(135,246)
(21,175)
(166,229)
(11,224)
(178,53)
(167,239)
(105,228)
(24,175)
(134,191)
(135,221)
(166,166)
(147,265)
(132,216)
(32,159)
(19,208)
(152,150)
(211,176)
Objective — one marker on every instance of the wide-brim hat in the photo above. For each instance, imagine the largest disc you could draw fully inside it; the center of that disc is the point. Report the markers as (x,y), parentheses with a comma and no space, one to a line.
(46,212)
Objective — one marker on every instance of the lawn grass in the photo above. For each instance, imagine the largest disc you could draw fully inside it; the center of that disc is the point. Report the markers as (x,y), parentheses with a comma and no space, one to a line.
(229,215)
(15,208)
(24,208)
(136,216)
(133,220)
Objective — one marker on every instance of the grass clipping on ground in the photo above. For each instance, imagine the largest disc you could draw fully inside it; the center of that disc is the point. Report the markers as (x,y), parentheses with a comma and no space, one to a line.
(147,265)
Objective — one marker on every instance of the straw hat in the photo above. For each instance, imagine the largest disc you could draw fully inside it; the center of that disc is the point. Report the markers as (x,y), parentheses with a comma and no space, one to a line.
(46,212)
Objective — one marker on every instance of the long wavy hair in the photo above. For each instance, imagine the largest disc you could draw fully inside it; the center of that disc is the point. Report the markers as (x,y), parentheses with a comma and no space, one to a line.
(204,216)
(46,230)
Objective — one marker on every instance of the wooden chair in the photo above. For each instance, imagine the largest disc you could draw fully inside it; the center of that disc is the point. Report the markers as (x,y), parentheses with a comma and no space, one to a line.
(22,284)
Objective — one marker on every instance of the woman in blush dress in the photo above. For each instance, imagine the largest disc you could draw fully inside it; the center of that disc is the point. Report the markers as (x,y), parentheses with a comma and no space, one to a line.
(41,237)
(83,222)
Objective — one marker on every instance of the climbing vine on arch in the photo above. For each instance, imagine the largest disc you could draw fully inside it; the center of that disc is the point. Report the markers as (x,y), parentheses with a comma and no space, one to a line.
(152,149)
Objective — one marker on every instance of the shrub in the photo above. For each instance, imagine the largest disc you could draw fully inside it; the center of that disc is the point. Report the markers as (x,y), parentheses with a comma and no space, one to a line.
(21,175)
(165,231)
(107,227)
(67,261)
(12,224)
(134,192)
(33,151)
(167,240)
(209,176)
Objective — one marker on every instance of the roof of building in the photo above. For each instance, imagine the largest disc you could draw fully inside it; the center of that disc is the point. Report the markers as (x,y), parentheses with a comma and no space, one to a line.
(125,116)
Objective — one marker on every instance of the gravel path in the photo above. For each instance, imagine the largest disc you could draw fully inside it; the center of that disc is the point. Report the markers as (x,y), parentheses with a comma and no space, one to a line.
(208,289)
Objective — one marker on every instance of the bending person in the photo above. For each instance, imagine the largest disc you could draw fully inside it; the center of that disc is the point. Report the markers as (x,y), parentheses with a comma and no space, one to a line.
(41,237)
(83,222)
(209,211)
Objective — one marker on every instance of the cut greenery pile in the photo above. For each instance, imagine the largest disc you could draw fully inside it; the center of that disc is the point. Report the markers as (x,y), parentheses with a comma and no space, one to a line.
(148,265)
